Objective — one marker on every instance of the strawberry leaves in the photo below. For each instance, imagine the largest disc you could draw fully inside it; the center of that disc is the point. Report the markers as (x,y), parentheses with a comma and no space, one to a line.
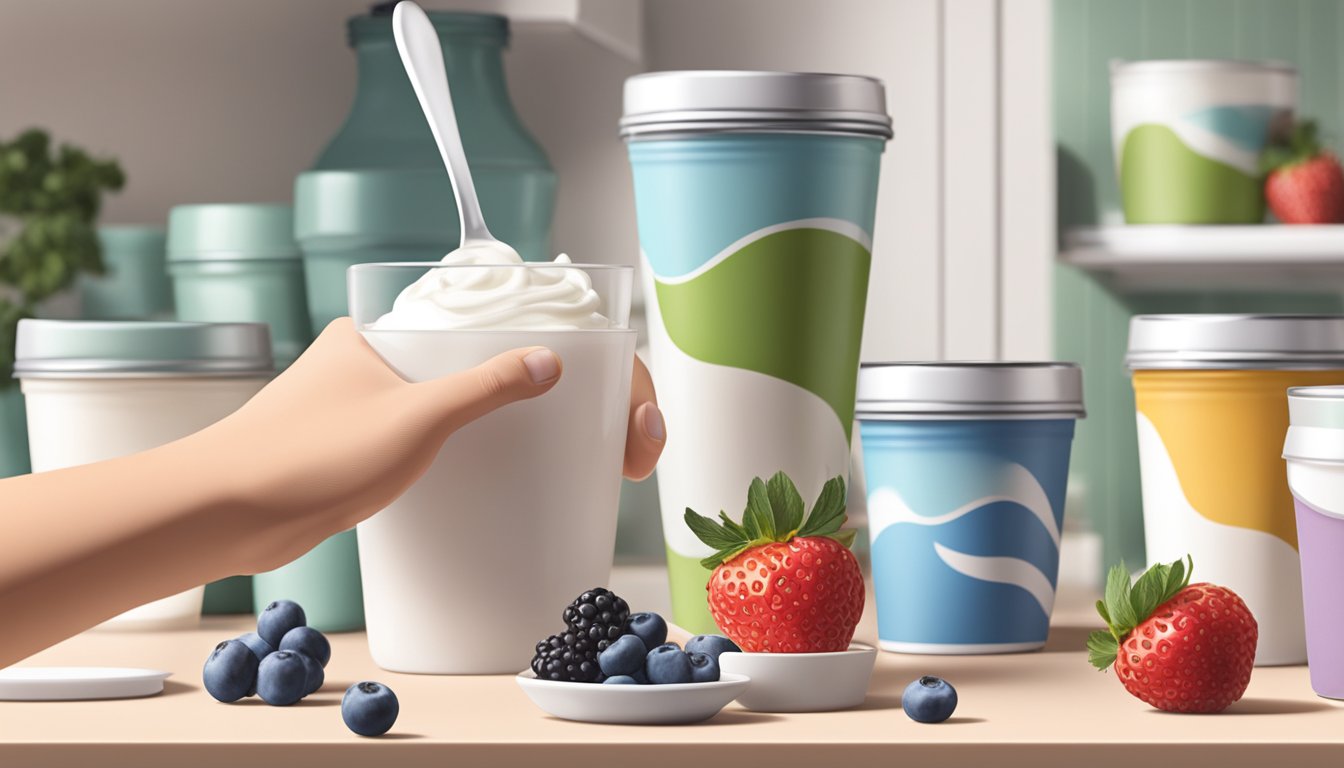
(774,512)
(1300,147)
(787,503)
(1126,606)
(828,514)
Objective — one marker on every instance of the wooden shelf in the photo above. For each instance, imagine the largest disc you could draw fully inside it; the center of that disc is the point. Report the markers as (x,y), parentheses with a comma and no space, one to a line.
(1178,258)
(1036,709)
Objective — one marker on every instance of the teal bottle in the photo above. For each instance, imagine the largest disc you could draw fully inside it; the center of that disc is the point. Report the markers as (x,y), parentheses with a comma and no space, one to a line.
(379,192)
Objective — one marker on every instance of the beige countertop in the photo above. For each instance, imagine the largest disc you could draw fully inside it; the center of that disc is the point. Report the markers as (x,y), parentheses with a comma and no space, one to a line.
(1037,709)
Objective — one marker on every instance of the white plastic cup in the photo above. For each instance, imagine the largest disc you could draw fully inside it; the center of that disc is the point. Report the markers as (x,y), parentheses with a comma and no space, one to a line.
(100,390)
(474,564)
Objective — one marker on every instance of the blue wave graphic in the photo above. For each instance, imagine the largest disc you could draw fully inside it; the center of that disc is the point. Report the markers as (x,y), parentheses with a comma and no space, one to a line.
(986,577)
(1245,126)
(965,519)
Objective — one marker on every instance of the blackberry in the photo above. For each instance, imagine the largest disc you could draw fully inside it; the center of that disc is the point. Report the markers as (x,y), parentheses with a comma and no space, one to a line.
(599,615)
(569,657)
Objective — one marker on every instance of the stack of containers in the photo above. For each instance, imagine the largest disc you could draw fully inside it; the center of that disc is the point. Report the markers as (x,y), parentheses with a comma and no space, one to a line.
(1314,449)
(967,466)
(99,390)
(1209,390)
(237,262)
(134,284)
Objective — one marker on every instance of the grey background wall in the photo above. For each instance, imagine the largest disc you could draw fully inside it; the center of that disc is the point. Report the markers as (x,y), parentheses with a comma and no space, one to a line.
(206,100)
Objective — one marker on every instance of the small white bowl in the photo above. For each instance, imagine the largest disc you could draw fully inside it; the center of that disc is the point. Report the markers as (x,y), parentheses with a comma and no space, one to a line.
(803,682)
(633,704)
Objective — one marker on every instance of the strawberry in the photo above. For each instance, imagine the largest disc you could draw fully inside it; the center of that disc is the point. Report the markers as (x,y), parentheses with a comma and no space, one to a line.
(782,584)
(1305,184)
(1181,647)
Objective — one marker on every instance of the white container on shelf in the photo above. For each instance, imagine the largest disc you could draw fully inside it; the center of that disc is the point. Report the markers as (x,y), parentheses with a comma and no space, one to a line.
(100,390)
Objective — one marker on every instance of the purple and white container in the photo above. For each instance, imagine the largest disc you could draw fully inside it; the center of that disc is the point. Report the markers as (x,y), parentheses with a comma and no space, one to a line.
(1314,449)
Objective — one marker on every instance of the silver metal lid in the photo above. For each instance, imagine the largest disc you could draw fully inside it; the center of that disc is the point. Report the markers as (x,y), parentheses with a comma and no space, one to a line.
(1236,342)
(1172,66)
(717,101)
(908,391)
(93,349)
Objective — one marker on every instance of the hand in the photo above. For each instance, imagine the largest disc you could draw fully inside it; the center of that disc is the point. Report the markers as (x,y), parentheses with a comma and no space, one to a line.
(339,435)
(647,433)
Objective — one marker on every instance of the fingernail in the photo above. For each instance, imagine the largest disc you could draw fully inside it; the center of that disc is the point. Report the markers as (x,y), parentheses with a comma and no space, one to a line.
(542,365)
(653,422)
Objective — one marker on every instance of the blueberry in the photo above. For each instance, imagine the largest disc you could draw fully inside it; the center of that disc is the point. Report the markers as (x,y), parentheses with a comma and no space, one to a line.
(649,627)
(282,678)
(620,680)
(369,709)
(309,642)
(640,676)
(230,672)
(711,645)
(929,700)
(623,657)
(278,618)
(313,674)
(668,664)
(260,648)
(704,668)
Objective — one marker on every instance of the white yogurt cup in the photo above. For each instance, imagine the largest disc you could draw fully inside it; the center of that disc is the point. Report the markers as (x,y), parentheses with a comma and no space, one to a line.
(100,390)
(474,563)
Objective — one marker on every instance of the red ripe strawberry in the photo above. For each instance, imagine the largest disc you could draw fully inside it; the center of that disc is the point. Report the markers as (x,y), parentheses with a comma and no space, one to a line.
(1305,184)
(1178,646)
(782,584)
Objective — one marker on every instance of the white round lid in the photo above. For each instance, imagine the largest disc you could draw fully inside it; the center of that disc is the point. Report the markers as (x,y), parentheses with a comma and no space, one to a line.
(79,683)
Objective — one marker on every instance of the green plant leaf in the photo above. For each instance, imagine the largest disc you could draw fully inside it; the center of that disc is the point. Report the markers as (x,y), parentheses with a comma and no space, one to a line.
(733,526)
(1102,649)
(1149,591)
(710,532)
(760,513)
(828,513)
(787,504)
(1119,607)
(846,537)
(1101,609)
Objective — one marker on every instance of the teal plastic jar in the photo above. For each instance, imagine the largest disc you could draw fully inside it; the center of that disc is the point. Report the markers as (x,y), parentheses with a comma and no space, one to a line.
(134,284)
(237,262)
(379,192)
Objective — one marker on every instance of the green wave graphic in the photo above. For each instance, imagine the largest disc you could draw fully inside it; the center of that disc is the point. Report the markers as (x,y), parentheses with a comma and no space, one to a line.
(1163,181)
(789,305)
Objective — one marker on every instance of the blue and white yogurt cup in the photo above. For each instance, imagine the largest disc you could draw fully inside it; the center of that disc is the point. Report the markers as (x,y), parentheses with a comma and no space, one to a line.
(967,466)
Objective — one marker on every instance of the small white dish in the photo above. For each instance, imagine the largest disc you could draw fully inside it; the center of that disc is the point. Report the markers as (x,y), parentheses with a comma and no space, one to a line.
(803,682)
(79,683)
(633,704)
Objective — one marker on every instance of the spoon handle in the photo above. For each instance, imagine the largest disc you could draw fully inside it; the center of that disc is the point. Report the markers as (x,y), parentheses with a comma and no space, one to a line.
(421,54)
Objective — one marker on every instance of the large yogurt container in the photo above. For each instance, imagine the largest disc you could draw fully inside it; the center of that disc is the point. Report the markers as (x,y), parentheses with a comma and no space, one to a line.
(1212,413)
(967,466)
(755,194)
(1188,135)
(100,390)
(1314,449)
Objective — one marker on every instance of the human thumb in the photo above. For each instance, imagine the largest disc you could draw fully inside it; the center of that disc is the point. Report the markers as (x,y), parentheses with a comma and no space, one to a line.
(462,397)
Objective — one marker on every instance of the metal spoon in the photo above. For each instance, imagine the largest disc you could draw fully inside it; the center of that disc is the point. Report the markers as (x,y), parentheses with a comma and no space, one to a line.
(418,44)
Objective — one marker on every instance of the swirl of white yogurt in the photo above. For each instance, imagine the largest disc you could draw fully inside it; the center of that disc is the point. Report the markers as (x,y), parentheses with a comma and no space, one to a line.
(483,289)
